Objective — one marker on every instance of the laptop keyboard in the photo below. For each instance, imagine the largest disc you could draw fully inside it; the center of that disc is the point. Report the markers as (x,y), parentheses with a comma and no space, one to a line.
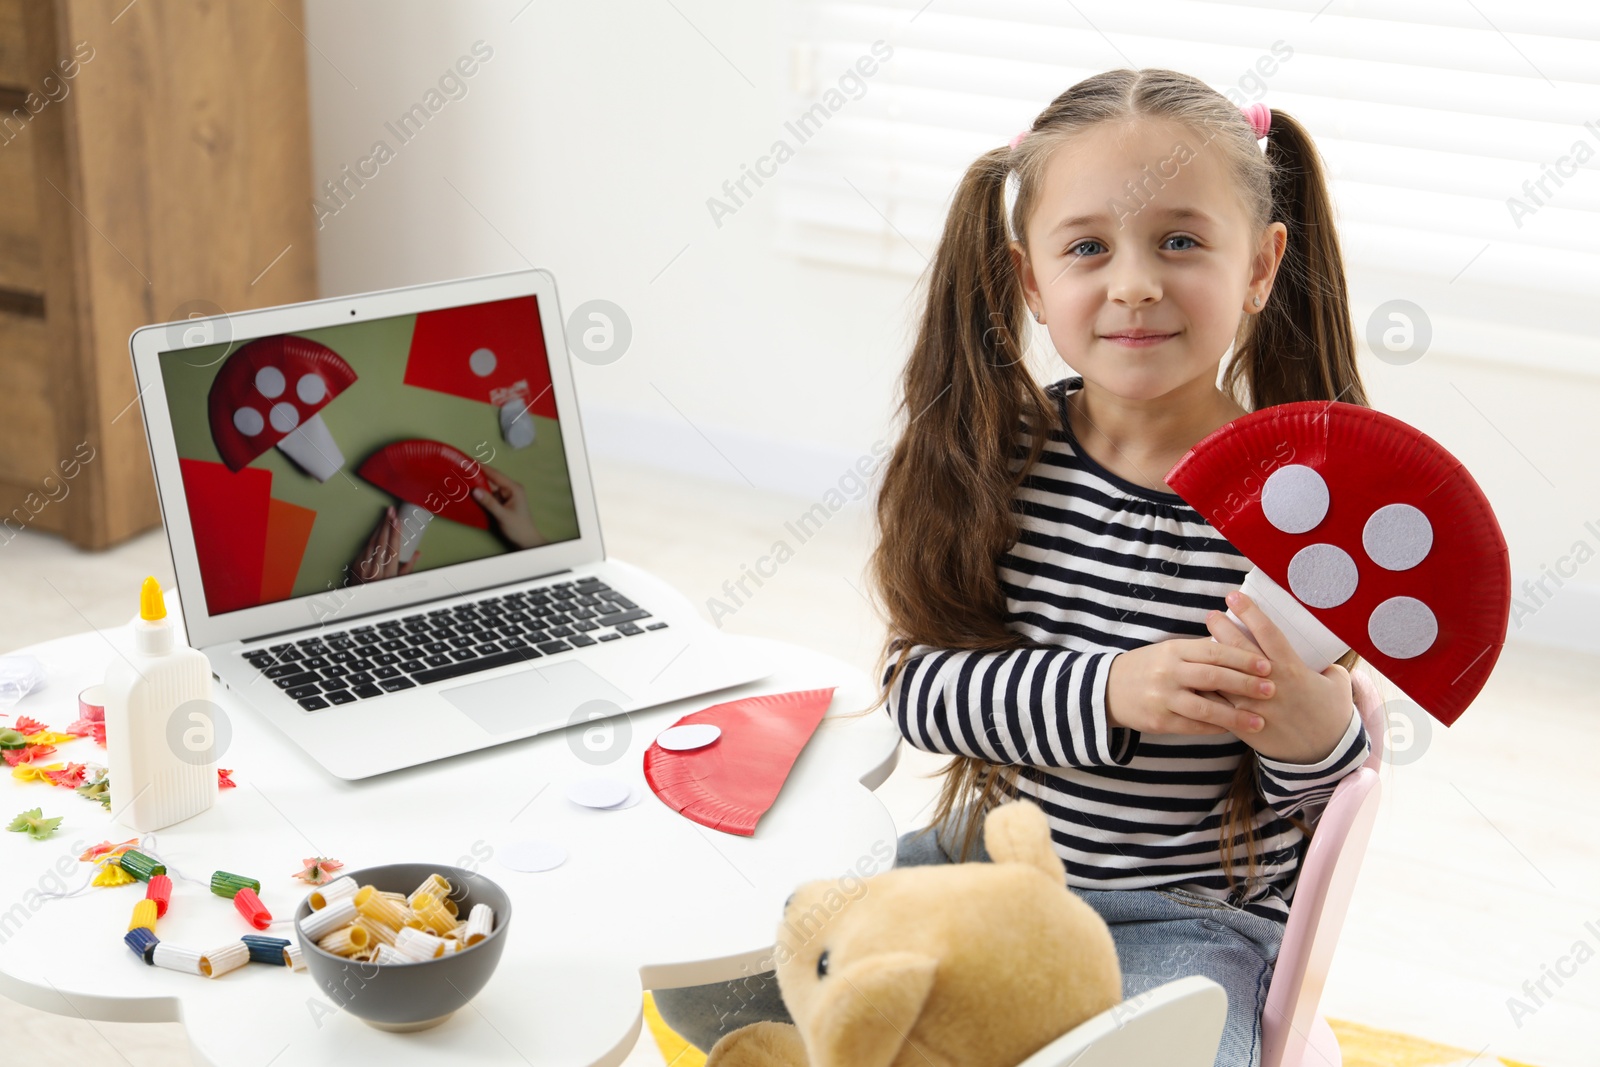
(433,646)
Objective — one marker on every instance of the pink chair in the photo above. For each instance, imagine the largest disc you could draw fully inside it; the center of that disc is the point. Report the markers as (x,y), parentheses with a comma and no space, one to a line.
(1179,1024)
(1293,1031)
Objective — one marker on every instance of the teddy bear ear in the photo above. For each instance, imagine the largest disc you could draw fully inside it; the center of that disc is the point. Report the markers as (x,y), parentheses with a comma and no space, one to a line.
(863,1013)
(1018,832)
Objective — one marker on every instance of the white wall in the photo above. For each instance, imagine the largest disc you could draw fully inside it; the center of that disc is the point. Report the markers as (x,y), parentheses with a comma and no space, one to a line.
(589,142)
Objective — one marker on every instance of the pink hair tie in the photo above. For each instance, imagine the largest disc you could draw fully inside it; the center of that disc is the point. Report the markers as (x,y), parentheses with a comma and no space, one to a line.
(1260,116)
(1018,138)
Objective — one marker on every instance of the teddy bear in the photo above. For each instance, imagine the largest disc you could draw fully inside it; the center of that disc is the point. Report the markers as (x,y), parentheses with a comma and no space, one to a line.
(948,965)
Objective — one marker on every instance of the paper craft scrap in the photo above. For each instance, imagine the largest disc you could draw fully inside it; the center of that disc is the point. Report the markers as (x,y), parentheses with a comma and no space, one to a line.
(728,786)
(597,792)
(688,738)
(531,856)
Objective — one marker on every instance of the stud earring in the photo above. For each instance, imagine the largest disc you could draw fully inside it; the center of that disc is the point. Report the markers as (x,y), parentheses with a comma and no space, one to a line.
(1258,301)
(1037,317)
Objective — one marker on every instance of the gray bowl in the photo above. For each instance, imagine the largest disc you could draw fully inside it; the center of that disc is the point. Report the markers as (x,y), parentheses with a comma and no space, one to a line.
(411,996)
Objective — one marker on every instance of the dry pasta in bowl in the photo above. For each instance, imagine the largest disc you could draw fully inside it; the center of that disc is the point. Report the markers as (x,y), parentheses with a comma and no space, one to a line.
(403,946)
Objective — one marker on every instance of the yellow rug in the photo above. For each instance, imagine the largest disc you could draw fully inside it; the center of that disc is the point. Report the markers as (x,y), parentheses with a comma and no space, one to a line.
(674,1049)
(1360,1046)
(1363,1046)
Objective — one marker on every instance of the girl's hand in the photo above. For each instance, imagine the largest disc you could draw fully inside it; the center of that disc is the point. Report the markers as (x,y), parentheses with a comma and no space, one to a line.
(1307,713)
(1162,688)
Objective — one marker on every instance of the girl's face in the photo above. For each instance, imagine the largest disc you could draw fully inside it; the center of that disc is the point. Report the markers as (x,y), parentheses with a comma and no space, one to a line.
(1137,228)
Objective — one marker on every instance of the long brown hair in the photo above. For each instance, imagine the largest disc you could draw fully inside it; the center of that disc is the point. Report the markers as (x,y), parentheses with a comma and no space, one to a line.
(944,510)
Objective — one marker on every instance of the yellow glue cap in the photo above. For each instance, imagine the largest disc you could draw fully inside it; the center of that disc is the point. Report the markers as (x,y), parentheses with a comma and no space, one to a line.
(151,606)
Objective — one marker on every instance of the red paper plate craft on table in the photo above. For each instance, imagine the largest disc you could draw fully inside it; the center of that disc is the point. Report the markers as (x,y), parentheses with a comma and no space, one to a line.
(272,392)
(493,353)
(730,783)
(1364,533)
(430,478)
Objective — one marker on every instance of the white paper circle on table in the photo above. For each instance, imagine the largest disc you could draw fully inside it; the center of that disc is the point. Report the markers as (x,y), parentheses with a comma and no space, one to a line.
(1295,498)
(1397,537)
(531,856)
(1402,627)
(597,792)
(1322,576)
(635,794)
(691,736)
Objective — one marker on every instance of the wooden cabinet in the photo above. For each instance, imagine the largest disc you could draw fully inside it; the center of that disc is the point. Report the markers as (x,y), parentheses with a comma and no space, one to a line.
(155,163)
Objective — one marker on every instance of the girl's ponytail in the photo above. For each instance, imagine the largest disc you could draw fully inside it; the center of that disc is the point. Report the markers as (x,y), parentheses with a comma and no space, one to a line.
(1300,346)
(965,391)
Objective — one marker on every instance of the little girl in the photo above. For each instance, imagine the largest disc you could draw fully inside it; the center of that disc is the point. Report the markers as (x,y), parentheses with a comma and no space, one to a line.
(1051,603)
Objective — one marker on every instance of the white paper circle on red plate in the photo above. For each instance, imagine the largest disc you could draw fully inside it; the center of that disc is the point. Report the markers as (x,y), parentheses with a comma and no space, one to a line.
(1397,537)
(1403,627)
(1295,498)
(269,382)
(284,417)
(597,792)
(248,421)
(311,388)
(483,361)
(1322,576)
(531,856)
(688,737)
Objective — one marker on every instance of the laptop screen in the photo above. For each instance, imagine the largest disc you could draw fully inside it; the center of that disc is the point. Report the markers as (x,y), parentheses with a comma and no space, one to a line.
(335,457)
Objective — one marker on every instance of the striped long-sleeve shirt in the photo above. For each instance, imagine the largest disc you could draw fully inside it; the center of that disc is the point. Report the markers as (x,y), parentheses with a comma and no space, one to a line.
(1102,566)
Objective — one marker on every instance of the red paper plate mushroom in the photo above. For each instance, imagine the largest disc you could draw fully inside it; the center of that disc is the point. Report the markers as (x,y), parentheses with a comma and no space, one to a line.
(430,478)
(271,392)
(1365,533)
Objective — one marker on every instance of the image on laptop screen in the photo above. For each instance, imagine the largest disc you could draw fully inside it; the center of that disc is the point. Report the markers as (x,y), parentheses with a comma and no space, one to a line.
(332,457)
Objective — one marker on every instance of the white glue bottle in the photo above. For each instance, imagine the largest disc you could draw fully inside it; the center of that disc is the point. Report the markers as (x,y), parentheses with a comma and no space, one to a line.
(160,724)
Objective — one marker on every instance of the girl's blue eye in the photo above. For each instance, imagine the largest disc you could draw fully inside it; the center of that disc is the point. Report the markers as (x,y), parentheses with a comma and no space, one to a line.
(1174,237)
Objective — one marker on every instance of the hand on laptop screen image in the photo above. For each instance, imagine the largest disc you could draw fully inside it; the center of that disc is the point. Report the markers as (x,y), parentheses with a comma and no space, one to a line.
(392,549)
(507,506)
(381,556)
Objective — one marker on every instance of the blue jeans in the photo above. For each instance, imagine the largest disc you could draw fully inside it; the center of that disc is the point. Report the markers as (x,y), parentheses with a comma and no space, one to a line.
(1160,934)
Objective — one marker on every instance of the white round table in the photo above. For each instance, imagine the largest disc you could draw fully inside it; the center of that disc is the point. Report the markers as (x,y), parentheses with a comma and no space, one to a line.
(646,899)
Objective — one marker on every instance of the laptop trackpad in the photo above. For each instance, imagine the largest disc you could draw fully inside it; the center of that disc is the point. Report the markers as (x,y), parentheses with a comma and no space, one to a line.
(543,697)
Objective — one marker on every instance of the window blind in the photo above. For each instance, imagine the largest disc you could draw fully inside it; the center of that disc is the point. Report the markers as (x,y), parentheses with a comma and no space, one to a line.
(1462,140)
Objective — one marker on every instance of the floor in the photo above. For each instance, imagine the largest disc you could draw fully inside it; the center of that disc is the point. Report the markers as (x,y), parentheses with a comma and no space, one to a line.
(1480,878)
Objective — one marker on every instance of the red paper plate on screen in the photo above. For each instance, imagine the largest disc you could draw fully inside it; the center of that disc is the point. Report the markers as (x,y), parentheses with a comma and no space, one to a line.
(431,475)
(1375,528)
(729,784)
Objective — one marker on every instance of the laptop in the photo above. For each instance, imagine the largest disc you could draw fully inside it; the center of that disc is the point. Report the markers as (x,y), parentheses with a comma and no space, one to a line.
(384,532)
